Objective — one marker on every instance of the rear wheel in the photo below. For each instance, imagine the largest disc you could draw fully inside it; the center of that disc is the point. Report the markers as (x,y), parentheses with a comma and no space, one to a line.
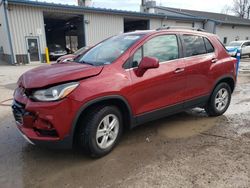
(219,100)
(100,131)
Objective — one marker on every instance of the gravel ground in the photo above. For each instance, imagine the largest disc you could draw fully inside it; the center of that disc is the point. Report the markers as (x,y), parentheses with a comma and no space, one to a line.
(185,150)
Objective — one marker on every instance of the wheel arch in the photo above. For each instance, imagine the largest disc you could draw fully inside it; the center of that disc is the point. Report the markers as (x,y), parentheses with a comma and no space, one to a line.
(116,100)
(227,79)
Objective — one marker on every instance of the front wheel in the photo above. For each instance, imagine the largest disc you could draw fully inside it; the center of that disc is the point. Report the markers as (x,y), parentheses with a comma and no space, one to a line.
(219,100)
(101,130)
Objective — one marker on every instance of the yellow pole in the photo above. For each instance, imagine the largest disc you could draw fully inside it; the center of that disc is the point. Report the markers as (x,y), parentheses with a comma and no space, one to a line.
(47,55)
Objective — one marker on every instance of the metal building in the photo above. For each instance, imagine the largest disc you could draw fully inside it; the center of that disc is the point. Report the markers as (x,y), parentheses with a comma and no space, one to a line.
(227,27)
(28,27)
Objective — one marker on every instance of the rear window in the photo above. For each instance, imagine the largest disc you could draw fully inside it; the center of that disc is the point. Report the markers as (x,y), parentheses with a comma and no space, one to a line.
(194,45)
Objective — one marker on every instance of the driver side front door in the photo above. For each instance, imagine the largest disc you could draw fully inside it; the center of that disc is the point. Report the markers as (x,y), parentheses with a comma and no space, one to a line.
(162,87)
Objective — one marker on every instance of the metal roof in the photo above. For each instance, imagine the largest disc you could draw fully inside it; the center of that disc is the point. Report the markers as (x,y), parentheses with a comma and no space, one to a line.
(170,15)
(79,8)
(175,14)
(217,17)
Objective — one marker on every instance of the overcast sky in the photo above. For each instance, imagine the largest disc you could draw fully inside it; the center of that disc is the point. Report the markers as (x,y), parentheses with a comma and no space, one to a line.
(208,5)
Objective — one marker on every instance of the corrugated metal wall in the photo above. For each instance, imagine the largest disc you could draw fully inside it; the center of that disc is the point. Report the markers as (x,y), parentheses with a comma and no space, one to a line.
(155,23)
(184,24)
(210,26)
(101,26)
(24,22)
(28,21)
(181,23)
(4,41)
(169,22)
(232,33)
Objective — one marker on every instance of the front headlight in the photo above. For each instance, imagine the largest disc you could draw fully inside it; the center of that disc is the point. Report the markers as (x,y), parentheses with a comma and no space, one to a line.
(54,93)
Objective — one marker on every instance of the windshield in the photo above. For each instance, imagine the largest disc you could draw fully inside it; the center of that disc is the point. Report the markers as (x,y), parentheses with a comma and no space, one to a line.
(109,50)
(235,44)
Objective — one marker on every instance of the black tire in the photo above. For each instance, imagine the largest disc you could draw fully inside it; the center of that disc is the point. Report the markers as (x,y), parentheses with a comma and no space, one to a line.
(88,130)
(211,107)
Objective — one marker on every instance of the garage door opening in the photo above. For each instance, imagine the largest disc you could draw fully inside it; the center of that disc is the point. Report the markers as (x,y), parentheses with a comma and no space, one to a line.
(131,24)
(64,33)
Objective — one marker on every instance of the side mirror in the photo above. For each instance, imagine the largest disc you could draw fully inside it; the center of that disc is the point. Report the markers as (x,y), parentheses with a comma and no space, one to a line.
(147,63)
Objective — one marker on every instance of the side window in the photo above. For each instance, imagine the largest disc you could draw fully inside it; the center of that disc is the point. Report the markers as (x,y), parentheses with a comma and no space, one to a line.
(137,57)
(209,46)
(194,45)
(247,43)
(164,47)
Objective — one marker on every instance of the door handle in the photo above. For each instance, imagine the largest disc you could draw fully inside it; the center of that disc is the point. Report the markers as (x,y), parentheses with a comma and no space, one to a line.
(179,70)
(214,60)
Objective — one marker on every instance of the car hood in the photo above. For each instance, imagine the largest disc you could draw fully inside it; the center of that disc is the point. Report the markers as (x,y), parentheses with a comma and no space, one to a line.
(57,73)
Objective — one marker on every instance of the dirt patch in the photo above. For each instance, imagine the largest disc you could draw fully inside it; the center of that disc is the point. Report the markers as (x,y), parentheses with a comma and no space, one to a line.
(11,86)
(186,124)
(185,150)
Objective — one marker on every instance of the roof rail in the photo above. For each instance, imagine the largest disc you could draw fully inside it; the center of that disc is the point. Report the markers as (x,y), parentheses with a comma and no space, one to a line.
(180,27)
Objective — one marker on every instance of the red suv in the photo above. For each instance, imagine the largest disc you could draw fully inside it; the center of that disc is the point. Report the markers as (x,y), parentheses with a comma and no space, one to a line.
(120,83)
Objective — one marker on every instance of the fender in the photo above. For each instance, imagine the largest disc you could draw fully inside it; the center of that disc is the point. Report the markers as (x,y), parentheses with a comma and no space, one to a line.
(101,99)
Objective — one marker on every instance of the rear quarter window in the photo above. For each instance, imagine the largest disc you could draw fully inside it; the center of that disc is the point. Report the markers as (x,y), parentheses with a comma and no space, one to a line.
(208,45)
(222,44)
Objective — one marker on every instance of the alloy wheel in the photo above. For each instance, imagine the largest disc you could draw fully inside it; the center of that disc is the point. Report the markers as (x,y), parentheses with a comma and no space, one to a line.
(221,99)
(107,131)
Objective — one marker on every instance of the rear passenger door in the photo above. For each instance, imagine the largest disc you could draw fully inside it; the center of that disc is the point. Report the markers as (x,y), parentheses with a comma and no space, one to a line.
(199,56)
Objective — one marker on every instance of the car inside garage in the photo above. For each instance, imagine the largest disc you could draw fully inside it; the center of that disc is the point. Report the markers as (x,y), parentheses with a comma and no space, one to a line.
(132,24)
(64,33)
